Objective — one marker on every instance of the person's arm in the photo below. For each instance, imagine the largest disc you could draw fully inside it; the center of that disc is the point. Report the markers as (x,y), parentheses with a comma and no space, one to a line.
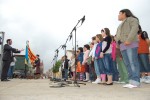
(9,48)
(37,62)
(72,62)
(15,60)
(91,53)
(148,41)
(108,40)
(83,62)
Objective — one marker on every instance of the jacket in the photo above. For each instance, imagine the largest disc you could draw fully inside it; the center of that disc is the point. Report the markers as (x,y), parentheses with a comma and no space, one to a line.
(127,30)
(8,52)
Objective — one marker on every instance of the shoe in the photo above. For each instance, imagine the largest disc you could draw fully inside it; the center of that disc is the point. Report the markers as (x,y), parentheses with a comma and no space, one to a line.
(5,80)
(109,83)
(130,86)
(115,81)
(120,82)
(143,79)
(147,81)
(97,81)
(85,80)
(89,81)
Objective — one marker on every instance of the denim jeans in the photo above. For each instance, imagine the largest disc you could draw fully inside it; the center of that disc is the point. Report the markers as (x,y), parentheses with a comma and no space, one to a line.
(108,63)
(115,71)
(91,72)
(144,62)
(101,66)
(97,68)
(10,72)
(66,73)
(130,57)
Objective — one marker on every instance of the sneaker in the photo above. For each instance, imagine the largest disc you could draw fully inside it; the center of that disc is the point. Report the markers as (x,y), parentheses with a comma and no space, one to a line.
(97,81)
(130,86)
(85,80)
(121,82)
(127,85)
(89,81)
(143,79)
(147,81)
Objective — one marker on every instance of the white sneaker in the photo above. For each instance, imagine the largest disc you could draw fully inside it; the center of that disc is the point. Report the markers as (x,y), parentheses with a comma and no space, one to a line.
(130,86)
(90,81)
(127,85)
(121,82)
(85,80)
(143,79)
(97,81)
(147,81)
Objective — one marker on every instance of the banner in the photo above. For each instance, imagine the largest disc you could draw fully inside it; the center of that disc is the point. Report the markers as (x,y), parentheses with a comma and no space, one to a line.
(29,55)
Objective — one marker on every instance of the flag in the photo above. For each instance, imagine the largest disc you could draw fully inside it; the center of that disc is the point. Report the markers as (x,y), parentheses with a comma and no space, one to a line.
(29,55)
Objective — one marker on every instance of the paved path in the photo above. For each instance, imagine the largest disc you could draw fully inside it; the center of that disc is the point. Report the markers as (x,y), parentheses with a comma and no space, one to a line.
(24,89)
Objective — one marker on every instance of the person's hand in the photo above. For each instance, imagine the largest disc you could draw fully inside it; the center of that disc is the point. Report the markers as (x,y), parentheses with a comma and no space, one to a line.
(127,43)
(121,58)
(92,59)
(83,63)
(21,50)
(101,55)
(117,46)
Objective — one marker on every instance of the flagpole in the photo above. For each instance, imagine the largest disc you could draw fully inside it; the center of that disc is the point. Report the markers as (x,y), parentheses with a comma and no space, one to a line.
(26,58)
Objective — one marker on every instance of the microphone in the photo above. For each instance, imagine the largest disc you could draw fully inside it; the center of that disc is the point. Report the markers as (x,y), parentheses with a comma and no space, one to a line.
(82,19)
(70,36)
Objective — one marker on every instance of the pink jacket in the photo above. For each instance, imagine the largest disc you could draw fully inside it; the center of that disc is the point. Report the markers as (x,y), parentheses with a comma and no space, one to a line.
(113,54)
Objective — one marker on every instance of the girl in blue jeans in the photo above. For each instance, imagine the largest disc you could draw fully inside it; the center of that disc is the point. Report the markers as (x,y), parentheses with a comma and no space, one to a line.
(100,64)
(106,54)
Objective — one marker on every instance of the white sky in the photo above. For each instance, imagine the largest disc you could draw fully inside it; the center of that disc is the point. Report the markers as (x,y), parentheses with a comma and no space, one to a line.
(48,23)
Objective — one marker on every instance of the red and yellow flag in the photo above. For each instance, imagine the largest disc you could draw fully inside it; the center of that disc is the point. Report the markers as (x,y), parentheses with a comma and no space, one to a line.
(29,54)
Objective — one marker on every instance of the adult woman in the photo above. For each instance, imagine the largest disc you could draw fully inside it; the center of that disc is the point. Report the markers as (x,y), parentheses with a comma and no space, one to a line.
(127,40)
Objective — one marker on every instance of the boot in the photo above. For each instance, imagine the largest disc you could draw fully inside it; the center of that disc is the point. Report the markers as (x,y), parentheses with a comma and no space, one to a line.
(87,76)
(103,78)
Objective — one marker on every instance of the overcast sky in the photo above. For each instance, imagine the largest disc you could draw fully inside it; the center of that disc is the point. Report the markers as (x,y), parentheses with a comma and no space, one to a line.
(48,23)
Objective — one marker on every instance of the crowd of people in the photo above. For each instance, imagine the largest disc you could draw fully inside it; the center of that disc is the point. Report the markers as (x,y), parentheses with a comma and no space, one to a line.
(122,58)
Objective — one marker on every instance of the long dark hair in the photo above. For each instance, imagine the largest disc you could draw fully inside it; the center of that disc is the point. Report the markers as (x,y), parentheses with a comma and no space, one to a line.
(87,46)
(81,49)
(140,29)
(128,13)
(106,30)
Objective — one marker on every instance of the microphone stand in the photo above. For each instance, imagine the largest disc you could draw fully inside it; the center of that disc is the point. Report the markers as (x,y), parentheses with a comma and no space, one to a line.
(75,29)
(64,47)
